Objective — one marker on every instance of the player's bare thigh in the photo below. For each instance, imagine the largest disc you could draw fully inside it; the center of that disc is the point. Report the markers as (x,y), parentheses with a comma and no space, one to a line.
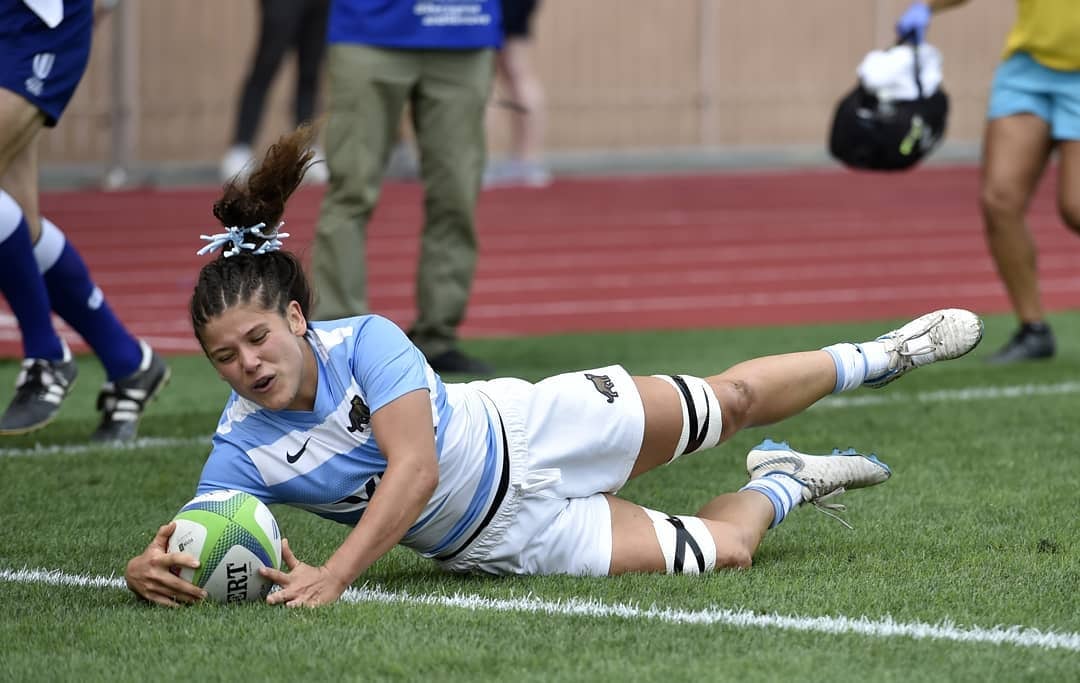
(20,124)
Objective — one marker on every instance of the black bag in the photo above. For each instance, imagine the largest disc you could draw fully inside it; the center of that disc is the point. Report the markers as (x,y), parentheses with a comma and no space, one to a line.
(868,133)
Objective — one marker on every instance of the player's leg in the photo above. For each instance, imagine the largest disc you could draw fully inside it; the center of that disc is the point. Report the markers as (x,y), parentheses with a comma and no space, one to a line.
(1016,147)
(685,414)
(48,369)
(134,373)
(726,531)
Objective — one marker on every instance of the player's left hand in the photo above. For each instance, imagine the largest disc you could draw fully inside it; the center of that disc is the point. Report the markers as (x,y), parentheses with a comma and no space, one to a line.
(303,585)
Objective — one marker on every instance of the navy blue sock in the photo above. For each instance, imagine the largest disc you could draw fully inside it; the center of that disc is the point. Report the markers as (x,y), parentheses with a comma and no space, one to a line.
(21,283)
(77,300)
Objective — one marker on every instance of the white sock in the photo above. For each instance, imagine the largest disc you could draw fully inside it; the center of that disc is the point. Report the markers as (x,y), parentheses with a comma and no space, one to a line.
(782,490)
(855,363)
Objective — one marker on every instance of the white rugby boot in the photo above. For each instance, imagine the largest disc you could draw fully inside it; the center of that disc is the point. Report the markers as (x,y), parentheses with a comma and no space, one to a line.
(941,335)
(823,477)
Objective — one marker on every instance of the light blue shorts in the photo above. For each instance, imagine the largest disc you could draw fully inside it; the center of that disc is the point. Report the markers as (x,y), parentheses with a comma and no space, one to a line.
(1024,86)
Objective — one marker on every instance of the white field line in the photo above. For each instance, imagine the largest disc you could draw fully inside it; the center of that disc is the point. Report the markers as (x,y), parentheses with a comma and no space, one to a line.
(889,398)
(886,627)
(139,444)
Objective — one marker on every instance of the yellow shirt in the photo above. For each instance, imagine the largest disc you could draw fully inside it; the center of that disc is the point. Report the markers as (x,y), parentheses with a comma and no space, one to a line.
(1049,31)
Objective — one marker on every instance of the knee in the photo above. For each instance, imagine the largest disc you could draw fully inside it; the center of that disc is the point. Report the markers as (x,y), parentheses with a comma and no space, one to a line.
(733,554)
(736,398)
(999,203)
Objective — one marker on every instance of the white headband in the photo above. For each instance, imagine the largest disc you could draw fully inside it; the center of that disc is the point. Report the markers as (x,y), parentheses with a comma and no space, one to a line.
(235,236)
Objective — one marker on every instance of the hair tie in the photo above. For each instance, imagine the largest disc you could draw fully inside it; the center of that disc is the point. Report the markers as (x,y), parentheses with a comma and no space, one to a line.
(236,237)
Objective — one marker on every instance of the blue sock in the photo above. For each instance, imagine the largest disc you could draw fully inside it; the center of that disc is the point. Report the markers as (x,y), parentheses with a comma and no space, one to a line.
(21,283)
(77,300)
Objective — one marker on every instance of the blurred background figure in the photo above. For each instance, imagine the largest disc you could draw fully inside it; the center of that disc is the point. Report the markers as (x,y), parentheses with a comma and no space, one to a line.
(1034,108)
(438,60)
(522,101)
(284,25)
(45,49)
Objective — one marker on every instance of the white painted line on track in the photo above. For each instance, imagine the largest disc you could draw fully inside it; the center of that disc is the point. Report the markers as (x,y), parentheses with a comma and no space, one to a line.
(886,627)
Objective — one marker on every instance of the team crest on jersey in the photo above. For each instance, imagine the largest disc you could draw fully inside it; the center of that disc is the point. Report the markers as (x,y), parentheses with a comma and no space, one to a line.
(42,65)
(604,385)
(359,415)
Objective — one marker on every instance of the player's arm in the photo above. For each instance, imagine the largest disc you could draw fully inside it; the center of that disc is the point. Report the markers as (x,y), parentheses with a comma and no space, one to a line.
(403,429)
(148,575)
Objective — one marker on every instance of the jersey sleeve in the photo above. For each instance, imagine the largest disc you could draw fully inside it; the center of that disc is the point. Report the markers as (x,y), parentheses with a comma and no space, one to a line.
(386,364)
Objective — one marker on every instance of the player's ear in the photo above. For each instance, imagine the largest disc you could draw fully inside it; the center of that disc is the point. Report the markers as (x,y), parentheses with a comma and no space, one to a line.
(295,317)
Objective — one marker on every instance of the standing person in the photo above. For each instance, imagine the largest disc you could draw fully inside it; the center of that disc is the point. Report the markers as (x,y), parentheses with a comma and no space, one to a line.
(524,102)
(1034,108)
(284,25)
(500,476)
(438,59)
(44,47)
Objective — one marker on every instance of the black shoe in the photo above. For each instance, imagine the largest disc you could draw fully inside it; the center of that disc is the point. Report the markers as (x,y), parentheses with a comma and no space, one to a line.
(454,361)
(39,390)
(122,402)
(1031,342)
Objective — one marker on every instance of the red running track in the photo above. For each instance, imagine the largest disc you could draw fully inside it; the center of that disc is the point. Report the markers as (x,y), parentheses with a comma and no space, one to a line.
(657,252)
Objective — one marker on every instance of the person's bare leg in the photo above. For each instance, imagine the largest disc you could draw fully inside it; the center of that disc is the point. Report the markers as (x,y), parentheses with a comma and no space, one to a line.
(736,521)
(1069,183)
(1015,152)
(527,117)
(752,393)
(20,124)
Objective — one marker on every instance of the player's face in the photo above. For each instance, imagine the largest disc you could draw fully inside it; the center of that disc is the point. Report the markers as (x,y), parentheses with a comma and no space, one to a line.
(263,355)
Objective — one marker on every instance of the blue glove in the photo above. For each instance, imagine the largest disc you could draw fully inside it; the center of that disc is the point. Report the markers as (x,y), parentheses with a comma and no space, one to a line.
(914,22)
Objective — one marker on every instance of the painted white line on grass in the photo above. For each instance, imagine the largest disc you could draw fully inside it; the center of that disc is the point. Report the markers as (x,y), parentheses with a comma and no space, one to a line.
(887,627)
(142,443)
(945,395)
(952,395)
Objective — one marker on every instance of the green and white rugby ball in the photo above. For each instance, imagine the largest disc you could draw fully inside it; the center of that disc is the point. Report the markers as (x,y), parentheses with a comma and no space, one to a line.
(232,534)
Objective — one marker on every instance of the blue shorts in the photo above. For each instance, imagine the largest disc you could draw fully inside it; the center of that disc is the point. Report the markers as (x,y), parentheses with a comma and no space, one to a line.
(41,64)
(1024,86)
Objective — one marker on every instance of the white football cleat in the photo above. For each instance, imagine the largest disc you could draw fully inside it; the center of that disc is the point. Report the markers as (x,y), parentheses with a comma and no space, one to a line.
(822,476)
(941,335)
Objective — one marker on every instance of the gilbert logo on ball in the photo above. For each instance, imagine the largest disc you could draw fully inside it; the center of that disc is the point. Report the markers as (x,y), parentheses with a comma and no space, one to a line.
(232,534)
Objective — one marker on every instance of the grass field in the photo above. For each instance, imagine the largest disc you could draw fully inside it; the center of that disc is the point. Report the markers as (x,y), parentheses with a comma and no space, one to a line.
(964,567)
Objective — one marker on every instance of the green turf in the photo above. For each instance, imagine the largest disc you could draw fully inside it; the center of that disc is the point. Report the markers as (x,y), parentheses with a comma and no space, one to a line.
(977,528)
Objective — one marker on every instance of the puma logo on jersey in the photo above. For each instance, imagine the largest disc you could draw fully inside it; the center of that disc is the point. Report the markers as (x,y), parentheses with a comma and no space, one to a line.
(359,415)
(42,65)
(604,385)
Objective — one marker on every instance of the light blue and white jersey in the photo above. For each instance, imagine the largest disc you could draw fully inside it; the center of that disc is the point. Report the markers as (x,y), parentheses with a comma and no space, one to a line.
(328,461)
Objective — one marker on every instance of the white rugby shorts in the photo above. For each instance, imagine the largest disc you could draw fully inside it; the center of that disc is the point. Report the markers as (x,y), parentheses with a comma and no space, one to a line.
(571,438)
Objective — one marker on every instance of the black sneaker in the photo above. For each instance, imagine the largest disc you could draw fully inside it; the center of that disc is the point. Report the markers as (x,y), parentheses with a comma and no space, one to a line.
(122,402)
(39,390)
(1031,342)
(454,361)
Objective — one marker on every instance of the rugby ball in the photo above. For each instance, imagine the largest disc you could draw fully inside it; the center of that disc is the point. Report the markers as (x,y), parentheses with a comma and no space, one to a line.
(232,534)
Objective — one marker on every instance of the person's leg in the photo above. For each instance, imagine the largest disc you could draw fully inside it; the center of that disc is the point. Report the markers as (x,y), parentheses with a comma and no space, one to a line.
(310,40)
(367,88)
(526,92)
(726,531)
(686,414)
(1015,152)
(277,24)
(1069,183)
(20,281)
(448,117)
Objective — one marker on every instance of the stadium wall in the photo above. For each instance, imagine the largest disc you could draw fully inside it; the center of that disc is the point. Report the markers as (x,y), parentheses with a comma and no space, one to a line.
(622,76)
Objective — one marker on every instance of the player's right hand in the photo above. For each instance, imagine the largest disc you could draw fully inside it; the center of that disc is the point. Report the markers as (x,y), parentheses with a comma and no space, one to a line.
(150,575)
